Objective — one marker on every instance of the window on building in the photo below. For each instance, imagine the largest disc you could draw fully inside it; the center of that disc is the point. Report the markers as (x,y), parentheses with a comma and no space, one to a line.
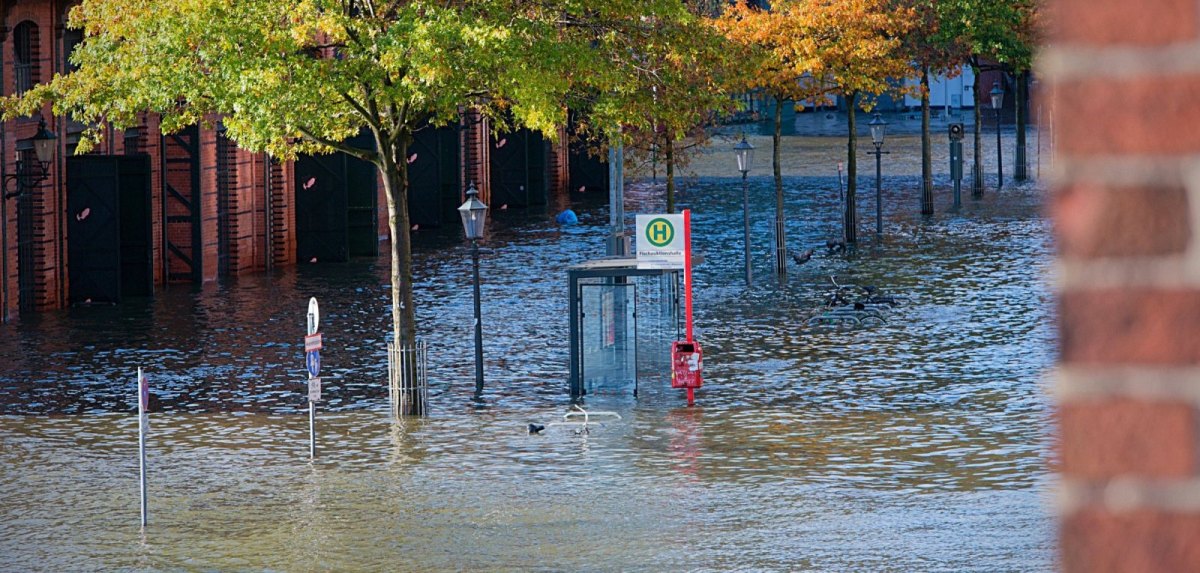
(25,55)
(72,37)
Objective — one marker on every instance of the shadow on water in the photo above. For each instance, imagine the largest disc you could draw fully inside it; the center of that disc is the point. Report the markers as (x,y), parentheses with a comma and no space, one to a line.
(918,444)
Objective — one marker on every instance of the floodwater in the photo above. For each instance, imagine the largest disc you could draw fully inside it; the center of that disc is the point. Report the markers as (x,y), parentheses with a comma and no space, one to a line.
(917,445)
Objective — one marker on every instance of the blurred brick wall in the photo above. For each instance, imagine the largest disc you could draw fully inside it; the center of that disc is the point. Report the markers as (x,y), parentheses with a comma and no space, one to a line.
(1124,80)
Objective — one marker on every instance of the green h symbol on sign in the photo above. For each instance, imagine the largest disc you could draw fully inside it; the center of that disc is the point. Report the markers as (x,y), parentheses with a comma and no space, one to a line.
(660,232)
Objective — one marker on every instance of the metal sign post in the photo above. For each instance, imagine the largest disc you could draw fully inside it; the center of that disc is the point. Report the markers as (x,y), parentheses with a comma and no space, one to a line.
(312,361)
(842,204)
(956,161)
(687,288)
(616,242)
(143,391)
(665,242)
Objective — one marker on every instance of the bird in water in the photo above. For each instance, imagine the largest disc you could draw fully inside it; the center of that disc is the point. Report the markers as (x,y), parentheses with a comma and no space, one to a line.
(835,246)
(802,257)
(536,428)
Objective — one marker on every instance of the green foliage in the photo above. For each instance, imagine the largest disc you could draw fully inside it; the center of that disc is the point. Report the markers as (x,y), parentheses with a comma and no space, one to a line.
(1005,31)
(296,76)
(300,76)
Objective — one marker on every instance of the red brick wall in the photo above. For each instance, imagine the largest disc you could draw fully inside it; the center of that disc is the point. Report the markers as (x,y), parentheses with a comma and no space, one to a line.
(560,175)
(1125,91)
(8,260)
(208,203)
(47,200)
(152,144)
(249,218)
(262,213)
(283,214)
(475,154)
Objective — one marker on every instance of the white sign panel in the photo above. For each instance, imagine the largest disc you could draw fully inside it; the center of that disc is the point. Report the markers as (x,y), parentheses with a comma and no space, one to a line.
(659,241)
(314,389)
(314,316)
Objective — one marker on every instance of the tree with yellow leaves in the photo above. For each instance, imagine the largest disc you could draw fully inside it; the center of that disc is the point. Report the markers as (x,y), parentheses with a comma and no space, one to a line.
(303,76)
(816,49)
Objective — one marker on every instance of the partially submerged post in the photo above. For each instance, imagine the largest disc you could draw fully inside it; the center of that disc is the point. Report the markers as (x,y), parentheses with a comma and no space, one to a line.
(686,355)
(617,242)
(474,214)
(745,158)
(878,127)
(312,361)
(143,392)
(956,161)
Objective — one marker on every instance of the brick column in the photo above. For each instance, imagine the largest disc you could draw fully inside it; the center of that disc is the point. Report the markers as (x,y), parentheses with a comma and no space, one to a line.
(1124,80)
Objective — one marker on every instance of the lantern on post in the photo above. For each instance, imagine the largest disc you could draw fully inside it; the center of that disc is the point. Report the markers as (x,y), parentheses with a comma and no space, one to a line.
(30,174)
(878,128)
(474,215)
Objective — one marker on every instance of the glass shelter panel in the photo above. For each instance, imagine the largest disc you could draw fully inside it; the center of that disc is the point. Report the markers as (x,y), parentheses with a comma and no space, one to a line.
(622,322)
(657,327)
(609,335)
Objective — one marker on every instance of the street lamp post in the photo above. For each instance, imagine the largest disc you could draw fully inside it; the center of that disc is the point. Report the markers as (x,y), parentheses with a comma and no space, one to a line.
(998,102)
(745,157)
(878,127)
(474,213)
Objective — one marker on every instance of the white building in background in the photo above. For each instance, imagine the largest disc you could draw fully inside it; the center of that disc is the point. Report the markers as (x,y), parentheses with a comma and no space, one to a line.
(945,94)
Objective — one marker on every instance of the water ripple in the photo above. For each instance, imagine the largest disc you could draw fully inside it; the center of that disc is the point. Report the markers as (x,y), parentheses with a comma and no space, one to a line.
(918,444)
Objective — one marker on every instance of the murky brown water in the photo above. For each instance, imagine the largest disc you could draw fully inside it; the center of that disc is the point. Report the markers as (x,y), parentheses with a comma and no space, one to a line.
(919,445)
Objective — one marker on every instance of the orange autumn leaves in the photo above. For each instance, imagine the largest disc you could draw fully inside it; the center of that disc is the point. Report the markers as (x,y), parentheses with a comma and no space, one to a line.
(812,49)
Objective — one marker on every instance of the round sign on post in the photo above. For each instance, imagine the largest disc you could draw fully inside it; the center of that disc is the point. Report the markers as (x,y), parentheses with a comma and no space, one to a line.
(314,316)
(312,360)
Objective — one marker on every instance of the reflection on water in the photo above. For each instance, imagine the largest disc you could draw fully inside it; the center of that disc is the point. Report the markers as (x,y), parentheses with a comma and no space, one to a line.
(916,445)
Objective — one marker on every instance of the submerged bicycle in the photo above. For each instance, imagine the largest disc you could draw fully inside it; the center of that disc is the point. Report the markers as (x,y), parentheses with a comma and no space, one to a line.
(853,304)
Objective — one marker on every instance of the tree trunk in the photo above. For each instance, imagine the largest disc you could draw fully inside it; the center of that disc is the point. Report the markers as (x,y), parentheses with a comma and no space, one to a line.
(780,232)
(394,171)
(1021,172)
(654,160)
(977,169)
(669,148)
(926,148)
(851,216)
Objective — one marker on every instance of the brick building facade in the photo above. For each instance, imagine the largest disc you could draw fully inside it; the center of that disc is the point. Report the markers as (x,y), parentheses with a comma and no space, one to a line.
(1125,83)
(147,209)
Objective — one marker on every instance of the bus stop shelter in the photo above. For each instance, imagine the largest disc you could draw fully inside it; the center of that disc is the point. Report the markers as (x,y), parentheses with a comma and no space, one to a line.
(622,322)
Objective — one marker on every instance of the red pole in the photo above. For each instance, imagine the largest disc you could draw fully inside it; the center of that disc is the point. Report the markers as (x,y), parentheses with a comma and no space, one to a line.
(687,285)
(687,276)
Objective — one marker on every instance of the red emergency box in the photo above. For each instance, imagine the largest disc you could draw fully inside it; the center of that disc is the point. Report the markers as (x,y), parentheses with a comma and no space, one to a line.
(686,364)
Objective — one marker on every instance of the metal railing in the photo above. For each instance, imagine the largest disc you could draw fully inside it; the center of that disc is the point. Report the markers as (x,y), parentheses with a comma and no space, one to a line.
(408,379)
